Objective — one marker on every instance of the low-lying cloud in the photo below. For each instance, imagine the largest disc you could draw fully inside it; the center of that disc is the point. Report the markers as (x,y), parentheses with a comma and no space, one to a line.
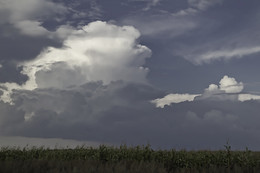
(121,112)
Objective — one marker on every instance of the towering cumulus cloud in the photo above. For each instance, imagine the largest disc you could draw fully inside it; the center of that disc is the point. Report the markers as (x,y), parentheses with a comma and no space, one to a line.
(98,52)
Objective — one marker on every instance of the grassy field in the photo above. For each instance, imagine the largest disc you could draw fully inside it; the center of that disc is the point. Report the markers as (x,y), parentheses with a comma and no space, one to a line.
(127,159)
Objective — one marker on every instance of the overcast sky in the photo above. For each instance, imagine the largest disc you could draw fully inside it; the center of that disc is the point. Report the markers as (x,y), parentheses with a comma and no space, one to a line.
(171,73)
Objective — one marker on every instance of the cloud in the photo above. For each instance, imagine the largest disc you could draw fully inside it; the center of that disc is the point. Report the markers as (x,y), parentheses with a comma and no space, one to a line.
(228,90)
(32,28)
(98,52)
(197,6)
(214,39)
(94,12)
(75,113)
(218,117)
(186,12)
(203,4)
(30,9)
(247,97)
(213,88)
(161,24)
(173,98)
(120,112)
(73,90)
(12,73)
(227,85)
(26,15)
(230,85)
(44,18)
(151,4)
(226,54)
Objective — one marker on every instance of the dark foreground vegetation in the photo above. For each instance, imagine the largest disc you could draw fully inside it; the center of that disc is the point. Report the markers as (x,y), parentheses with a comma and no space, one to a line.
(125,159)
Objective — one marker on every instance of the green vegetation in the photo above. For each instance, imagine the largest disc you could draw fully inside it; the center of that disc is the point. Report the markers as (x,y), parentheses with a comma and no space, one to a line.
(127,159)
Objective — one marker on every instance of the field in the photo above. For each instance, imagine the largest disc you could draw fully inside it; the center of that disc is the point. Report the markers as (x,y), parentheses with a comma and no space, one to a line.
(127,159)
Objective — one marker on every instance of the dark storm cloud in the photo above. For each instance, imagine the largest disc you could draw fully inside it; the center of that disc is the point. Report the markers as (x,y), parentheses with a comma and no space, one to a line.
(122,113)
(71,114)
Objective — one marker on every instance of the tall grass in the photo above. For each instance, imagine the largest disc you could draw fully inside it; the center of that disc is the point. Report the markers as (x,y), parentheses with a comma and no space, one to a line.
(126,159)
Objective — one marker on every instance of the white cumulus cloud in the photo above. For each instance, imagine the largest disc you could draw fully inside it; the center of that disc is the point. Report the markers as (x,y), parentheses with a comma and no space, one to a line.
(98,52)
(230,85)
(226,85)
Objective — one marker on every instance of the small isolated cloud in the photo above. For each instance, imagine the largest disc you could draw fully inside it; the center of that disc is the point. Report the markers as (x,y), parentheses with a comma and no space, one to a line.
(173,98)
(227,90)
(98,52)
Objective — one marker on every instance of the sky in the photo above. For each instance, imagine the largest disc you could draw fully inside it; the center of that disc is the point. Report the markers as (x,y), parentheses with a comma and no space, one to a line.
(177,74)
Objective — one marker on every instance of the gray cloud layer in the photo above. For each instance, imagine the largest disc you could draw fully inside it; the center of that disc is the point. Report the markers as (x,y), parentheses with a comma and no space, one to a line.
(122,112)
